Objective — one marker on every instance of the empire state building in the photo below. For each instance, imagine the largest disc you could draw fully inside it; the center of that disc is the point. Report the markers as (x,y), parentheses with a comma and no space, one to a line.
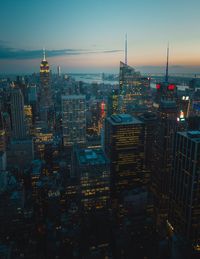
(44,72)
(45,89)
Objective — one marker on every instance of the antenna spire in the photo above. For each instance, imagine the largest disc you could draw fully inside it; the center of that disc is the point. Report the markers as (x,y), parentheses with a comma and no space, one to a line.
(167,65)
(44,56)
(126,49)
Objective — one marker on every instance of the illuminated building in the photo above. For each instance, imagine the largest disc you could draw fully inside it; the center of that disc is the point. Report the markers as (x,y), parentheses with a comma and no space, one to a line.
(28,118)
(44,73)
(166,90)
(42,138)
(92,168)
(73,119)
(113,102)
(184,104)
(102,116)
(124,146)
(184,209)
(45,98)
(17,114)
(133,87)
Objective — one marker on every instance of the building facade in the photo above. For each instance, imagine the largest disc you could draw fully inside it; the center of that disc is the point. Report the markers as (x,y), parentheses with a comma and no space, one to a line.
(184,209)
(17,114)
(73,119)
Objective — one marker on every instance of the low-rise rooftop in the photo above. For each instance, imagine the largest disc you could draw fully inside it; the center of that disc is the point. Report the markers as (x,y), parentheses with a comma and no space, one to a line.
(91,157)
(123,119)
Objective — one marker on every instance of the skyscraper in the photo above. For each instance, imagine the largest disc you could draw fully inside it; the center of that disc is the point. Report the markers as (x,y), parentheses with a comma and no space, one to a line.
(113,102)
(124,146)
(184,209)
(92,170)
(45,98)
(44,73)
(170,120)
(132,87)
(166,90)
(17,114)
(73,119)
(166,128)
(150,121)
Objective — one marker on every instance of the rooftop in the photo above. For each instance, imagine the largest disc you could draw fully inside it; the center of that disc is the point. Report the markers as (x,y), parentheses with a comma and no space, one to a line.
(91,157)
(167,104)
(73,96)
(195,135)
(123,119)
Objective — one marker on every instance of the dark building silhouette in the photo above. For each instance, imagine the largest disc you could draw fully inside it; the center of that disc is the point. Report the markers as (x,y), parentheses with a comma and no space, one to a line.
(184,209)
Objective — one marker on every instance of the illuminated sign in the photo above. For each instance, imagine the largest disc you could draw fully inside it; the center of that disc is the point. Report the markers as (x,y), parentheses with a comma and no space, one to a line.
(158,86)
(185,98)
(171,87)
(181,117)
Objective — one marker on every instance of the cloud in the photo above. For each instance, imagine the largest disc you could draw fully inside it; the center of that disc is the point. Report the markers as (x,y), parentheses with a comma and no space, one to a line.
(13,53)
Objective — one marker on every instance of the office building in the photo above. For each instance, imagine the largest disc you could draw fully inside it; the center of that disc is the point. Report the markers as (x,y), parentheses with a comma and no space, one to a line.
(184,205)
(92,169)
(132,87)
(73,119)
(124,146)
(162,156)
(45,98)
(17,114)
(113,102)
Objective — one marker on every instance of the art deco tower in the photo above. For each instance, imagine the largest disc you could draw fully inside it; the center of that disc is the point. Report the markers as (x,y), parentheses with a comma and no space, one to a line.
(45,89)
(44,72)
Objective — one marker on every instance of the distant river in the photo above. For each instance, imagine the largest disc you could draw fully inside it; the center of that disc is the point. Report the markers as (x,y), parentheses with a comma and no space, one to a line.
(98,79)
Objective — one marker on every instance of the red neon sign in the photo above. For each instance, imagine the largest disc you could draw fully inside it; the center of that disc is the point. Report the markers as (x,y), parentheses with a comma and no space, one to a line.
(158,86)
(171,87)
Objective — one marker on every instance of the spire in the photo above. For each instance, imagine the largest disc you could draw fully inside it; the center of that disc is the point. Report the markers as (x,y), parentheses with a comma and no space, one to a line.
(44,57)
(167,65)
(126,49)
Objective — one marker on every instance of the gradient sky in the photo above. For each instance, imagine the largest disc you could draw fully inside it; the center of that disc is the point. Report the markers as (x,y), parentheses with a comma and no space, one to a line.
(88,35)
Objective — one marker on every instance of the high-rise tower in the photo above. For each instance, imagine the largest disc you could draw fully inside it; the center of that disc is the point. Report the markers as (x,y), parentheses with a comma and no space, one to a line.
(184,209)
(124,146)
(45,100)
(44,72)
(166,90)
(17,113)
(73,119)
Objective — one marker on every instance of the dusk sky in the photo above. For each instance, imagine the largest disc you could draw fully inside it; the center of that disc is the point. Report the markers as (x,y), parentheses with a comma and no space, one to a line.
(88,35)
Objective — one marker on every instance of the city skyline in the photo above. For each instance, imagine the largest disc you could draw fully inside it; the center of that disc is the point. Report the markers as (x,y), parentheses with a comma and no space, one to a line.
(88,36)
